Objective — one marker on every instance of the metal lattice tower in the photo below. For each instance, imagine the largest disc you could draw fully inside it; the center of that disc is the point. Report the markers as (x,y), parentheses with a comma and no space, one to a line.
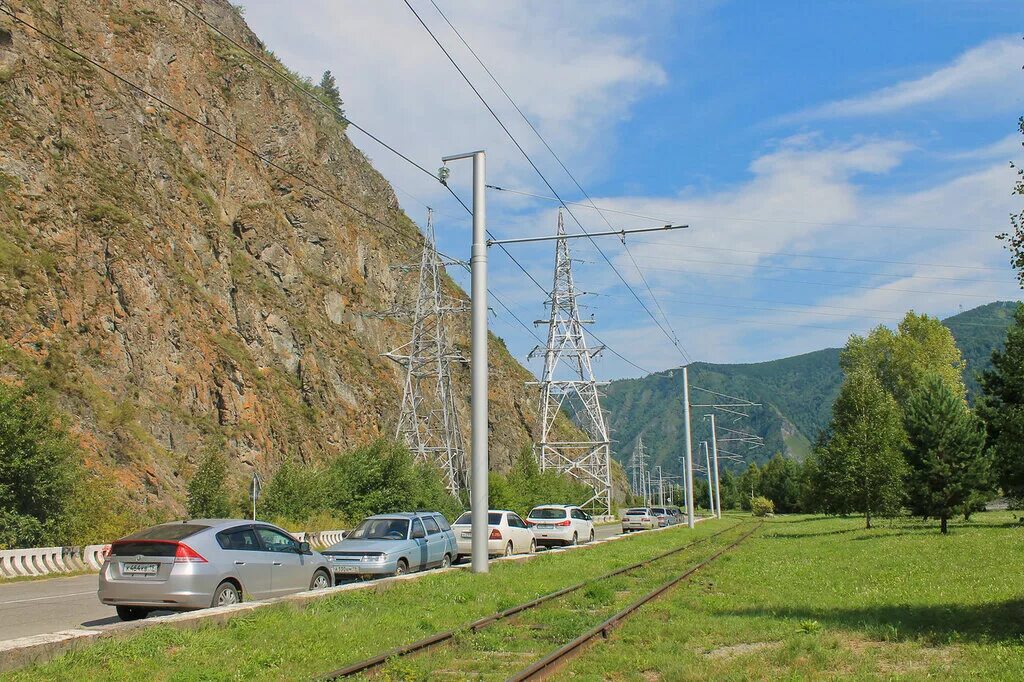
(428,421)
(568,386)
(638,467)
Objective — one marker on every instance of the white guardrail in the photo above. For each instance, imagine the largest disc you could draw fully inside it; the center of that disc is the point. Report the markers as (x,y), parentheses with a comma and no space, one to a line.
(37,561)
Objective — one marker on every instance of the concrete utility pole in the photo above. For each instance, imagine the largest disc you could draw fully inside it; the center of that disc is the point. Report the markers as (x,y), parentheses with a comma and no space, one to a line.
(714,457)
(707,467)
(478,364)
(690,521)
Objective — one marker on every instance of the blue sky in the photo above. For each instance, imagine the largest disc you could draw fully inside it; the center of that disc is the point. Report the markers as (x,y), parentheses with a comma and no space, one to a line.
(839,162)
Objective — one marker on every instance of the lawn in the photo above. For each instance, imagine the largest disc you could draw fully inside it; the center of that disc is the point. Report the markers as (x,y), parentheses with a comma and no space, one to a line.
(814,598)
(289,642)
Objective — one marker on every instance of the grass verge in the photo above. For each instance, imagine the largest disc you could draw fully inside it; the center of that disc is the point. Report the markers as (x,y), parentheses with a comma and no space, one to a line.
(288,642)
(813,598)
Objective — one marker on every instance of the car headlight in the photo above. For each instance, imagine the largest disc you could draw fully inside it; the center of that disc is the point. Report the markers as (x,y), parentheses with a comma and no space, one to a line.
(374,558)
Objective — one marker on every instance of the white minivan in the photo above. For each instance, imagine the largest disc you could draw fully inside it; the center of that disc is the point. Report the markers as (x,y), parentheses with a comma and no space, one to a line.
(560,524)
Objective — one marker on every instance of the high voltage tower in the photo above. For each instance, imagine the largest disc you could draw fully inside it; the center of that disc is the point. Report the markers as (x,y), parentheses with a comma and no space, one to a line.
(428,421)
(568,386)
(638,468)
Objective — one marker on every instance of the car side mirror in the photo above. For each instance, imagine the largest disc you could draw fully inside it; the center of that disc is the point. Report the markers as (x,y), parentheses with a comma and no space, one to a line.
(304,548)
(418,535)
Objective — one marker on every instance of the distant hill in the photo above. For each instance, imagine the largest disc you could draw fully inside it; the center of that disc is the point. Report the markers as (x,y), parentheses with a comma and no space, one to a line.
(796,394)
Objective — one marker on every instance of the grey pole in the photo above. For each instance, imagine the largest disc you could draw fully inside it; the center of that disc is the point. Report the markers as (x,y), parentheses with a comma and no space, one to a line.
(689,449)
(478,362)
(707,467)
(714,456)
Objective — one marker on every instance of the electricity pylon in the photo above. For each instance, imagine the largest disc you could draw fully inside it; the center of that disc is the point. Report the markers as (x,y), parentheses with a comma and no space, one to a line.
(638,467)
(568,386)
(428,422)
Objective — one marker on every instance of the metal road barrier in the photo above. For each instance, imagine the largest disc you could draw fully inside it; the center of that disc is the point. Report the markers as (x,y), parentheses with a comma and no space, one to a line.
(38,561)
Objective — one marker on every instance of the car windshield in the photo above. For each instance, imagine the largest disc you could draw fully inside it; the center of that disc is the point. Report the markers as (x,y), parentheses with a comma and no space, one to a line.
(380,529)
(493,519)
(658,510)
(544,513)
(639,511)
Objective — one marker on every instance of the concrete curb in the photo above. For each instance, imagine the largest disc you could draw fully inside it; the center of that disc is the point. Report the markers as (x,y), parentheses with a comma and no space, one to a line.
(24,651)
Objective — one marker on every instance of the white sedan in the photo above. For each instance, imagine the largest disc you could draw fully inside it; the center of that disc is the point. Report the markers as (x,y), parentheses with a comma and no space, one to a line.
(561,524)
(508,534)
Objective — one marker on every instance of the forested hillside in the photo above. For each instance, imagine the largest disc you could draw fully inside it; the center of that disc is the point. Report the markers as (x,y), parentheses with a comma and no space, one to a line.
(796,394)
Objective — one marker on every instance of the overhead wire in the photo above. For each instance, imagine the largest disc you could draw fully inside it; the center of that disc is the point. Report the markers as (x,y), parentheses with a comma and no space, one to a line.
(675,342)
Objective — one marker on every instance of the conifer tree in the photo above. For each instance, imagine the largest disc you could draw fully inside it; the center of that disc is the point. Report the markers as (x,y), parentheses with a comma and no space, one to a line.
(1002,409)
(948,468)
(329,87)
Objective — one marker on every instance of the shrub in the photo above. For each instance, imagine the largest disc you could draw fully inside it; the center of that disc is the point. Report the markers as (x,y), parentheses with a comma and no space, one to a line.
(762,506)
(207,494)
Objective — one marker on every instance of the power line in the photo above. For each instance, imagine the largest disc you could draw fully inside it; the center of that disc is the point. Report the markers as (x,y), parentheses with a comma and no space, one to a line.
(557,158)
(748,220)
(551,188)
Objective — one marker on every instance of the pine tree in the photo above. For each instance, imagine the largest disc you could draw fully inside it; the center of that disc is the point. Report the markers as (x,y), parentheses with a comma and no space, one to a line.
(949,469)
(329,87)
(1002,409)
(1015,239)
(860,465)
(207,493)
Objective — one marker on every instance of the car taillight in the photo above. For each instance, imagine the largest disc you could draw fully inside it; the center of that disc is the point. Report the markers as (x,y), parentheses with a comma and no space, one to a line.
(186,555)
(567,522)
(495,534)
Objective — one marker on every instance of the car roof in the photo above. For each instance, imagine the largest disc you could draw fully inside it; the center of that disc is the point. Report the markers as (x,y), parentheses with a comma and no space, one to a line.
(404,515)
(556,506)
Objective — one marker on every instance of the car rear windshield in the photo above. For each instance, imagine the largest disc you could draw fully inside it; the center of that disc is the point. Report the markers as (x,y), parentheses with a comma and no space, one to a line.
(143,548)
(639,511)
(659,510)
(170,532)
(380,529)
(547,514)
(493,519)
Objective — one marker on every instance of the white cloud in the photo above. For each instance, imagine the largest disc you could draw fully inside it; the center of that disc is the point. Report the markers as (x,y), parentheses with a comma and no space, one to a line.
(985,78)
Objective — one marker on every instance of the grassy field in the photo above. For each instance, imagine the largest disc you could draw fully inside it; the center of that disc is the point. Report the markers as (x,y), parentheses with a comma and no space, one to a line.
(812,598)
(287,642)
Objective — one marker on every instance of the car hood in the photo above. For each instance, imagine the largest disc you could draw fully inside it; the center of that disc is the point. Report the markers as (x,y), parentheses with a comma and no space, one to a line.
(386,546)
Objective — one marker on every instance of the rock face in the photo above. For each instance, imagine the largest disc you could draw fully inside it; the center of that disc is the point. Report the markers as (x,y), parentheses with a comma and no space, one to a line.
(172,291)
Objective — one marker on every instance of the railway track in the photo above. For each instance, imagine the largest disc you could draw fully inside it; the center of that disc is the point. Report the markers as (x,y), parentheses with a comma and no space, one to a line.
(560,656)
(370,665)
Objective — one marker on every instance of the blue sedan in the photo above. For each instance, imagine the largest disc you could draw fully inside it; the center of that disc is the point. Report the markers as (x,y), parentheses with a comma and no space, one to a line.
(394,544)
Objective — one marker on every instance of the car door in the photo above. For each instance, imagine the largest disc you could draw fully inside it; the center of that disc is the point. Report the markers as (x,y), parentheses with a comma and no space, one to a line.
(435,541)
(522,536)
(289,571)
(249,563)
(418,538)
(450,541)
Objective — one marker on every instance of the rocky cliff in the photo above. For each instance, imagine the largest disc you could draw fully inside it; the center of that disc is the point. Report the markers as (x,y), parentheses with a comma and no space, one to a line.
(172,291)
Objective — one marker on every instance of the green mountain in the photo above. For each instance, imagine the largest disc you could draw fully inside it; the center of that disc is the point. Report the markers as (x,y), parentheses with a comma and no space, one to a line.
(795,396)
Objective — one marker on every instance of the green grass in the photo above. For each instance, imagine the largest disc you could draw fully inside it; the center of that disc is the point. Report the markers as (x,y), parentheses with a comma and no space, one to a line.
(813,598)
(290,642)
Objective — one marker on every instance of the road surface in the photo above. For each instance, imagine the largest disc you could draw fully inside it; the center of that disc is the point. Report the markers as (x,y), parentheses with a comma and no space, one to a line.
(35,607)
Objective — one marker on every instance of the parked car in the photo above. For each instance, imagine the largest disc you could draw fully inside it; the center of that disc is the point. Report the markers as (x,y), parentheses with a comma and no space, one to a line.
(560,524)
(675,515)
(638,518)
(394,544)
(206,562)
(507,534)
(661,513)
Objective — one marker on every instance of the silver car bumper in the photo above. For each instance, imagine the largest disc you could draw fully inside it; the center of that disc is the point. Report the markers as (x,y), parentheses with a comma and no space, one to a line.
(364,568)
(188,587)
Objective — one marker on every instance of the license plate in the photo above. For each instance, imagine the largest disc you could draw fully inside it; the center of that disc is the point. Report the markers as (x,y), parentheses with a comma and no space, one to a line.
(139,569)
(545,526)
(345,569)
(467,535)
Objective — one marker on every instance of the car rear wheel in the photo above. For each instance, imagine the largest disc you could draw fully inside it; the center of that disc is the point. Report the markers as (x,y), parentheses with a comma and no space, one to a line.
(533,546)
(402,568)
(320,581)
(575,539)
(446,561)
(508,548)
(591,535)
(226,594)
(131,612)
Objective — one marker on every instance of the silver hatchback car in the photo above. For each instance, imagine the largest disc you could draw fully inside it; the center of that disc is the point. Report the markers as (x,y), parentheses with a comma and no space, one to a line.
(206,562)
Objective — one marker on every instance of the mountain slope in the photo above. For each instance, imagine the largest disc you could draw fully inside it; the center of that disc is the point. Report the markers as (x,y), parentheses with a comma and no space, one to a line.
(796,394)
(174,293)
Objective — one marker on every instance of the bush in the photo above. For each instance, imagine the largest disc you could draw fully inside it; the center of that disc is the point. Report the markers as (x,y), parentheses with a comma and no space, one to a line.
(762,506)
(40,468)
(207,492)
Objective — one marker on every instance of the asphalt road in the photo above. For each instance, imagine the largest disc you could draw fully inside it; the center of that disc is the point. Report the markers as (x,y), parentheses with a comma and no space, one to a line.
(35,607)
